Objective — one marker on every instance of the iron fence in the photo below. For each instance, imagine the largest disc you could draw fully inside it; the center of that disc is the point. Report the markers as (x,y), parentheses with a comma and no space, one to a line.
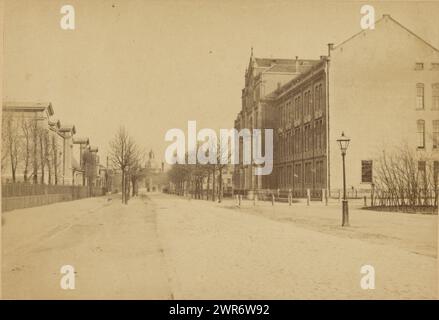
(25,195)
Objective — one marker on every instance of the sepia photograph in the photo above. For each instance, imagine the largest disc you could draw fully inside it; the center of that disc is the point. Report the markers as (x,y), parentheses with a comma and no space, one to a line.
(219,150)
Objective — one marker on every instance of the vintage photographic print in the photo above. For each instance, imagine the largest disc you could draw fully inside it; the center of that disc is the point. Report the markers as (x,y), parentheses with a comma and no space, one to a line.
(219,150)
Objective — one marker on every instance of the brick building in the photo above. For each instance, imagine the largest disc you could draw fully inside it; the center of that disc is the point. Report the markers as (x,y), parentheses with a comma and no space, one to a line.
(380,87)
(300,139)
(262,77)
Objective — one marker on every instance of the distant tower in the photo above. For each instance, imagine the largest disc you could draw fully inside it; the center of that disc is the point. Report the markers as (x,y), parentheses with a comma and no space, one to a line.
(153,169)
(151,163)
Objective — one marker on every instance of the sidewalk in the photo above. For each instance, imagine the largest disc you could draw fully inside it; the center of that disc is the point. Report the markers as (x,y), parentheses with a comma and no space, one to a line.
(417,233)
(216,251)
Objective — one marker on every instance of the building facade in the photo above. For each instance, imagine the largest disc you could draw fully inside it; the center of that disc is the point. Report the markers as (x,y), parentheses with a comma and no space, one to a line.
(380,87)
(382,94)
(154,174)
(300,139)
(262,77)
(39,149)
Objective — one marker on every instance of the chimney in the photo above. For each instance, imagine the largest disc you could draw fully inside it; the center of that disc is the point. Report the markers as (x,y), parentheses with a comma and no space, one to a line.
(330,48)
(297,63)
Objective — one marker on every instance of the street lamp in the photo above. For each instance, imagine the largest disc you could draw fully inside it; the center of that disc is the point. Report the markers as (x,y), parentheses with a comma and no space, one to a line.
(343,141)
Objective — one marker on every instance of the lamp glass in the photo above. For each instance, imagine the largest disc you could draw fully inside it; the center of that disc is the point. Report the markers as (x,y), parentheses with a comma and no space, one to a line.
(343,141)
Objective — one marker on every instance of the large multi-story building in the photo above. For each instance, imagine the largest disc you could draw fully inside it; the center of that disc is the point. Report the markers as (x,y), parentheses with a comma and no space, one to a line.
(38,149)
(262,77)
(380,87)
(300,139)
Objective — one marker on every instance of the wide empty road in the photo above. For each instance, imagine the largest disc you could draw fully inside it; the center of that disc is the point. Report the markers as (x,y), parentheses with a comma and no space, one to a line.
(166,247)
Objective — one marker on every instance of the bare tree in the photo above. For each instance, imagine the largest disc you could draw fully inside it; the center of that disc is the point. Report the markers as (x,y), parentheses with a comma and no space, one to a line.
(5,151)
(124,155)
(12,143)
(190,177)
(89,161)
(178,176)
(136,172)
(56,160)
(44,152)
(221,166)
(27,129)
(35,138)
(405,179)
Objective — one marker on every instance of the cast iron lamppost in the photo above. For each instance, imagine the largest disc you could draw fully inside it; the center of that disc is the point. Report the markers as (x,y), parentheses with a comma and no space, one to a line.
(343,141)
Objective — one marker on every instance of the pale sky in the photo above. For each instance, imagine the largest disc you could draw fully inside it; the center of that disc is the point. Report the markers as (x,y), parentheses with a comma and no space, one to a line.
(154,65)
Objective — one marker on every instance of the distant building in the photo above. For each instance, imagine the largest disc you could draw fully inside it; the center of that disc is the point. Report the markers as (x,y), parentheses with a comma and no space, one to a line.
(155,178)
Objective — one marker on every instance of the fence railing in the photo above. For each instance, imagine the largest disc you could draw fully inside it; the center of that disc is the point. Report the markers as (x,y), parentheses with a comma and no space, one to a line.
(25,195)
(372,197)
(405,198)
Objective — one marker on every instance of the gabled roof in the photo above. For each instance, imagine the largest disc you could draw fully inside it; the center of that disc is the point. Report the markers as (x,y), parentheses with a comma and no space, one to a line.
(28,106)
(284,65)
(55,123)
(268,62)
(68,128)
(299,66)
(296,80)
(81,140)
(383,18)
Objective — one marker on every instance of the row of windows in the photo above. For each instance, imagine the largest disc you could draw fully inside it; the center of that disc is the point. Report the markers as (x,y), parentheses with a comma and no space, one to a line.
(307,174)
(420,96)
(297,175)
(292,109)
(421,134)
(367,169)
(420,66)
(303,140)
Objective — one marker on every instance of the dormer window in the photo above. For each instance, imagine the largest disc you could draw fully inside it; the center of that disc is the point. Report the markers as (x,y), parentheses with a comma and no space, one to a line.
(435,66)
(419,66)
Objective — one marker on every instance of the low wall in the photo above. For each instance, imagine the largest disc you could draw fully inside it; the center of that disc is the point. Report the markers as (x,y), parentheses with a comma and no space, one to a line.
(19,196)
(12,203)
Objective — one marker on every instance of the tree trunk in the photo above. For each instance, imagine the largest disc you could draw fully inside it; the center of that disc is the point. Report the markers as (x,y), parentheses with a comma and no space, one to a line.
(134,191)
(208,185)
(123,186)
(220,185)
(127,186)
(55,162)
(213,183)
